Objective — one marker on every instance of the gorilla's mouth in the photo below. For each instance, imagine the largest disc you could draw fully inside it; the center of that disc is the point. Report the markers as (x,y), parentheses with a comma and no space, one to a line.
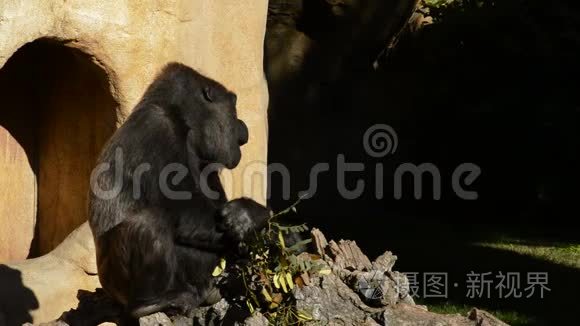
(242,131)
(234,159)
(242,136)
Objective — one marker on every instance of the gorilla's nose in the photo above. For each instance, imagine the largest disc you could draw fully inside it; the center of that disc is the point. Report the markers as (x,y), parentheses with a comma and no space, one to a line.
(242,133)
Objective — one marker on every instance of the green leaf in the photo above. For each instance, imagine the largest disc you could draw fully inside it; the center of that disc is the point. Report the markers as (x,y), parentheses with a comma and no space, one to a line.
(325,271)
(281,240)
(303,315)
(276,283)
(289,280)
(266,295)
(299,244)
(219,268)
(250,306)
(282,280)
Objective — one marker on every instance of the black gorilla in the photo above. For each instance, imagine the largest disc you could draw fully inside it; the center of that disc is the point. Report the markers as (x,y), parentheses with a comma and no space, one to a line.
(156,248)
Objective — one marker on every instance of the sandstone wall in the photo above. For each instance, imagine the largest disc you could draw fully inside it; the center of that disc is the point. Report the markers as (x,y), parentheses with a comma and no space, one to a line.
(70,72)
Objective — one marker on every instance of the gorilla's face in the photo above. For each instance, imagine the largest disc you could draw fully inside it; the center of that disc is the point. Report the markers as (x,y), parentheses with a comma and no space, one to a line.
(222,133)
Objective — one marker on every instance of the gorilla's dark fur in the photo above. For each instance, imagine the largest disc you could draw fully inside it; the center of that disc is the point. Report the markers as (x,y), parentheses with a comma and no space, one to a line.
(156,252)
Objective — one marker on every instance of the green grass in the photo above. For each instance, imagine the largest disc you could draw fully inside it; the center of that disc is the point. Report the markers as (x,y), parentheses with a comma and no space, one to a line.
(555,252)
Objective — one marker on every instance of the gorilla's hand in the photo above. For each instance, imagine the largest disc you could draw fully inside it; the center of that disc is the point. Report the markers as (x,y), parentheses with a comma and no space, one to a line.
(242,216)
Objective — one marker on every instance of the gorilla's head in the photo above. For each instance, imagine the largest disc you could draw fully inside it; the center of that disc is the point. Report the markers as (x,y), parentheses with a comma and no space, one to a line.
(208,111)
(222,133)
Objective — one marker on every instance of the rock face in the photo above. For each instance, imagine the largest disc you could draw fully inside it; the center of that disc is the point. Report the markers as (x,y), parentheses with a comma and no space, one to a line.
(360,292)
(41,289)
(70,72)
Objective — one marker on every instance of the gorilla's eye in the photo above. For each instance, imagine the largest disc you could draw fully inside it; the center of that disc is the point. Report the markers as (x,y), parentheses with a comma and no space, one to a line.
(207,94)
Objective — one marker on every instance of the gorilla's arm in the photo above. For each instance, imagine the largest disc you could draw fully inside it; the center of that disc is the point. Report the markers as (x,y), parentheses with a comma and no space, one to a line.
(242,216)
(232,224)
(202,238)
(197,227)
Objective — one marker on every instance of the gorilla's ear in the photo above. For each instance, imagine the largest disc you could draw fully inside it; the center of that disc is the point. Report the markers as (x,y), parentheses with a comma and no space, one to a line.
(193,160)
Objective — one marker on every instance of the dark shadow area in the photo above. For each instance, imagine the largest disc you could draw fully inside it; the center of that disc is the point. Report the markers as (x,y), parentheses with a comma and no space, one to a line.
(491,83)
(16,300)
(57,111)
(94,308)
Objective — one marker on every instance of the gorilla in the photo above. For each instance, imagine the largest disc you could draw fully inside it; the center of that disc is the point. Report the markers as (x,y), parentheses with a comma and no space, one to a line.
(156,248)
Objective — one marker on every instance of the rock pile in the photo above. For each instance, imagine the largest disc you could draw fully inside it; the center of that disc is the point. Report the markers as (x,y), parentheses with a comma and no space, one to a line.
(355,292)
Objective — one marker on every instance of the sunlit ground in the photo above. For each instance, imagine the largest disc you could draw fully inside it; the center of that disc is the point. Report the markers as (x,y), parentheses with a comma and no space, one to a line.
(556,252)
(553,252)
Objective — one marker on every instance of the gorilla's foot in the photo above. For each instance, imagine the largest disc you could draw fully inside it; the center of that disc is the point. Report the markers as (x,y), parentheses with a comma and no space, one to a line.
(180,302)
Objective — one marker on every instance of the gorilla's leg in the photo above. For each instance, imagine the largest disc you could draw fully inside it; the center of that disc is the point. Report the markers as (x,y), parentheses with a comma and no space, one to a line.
(196,267)
(144,275)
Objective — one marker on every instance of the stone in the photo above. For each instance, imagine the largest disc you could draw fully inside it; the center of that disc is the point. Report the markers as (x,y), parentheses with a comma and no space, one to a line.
(41,289)
(257,319)
(157,319)
(358,292)
(484,318)
(113,48)
(319,241)
(375,288)
(375,283)
(408,315)
(181,321)
(370,322)
(331,301)
(347,255)
(214,314)
(385,262)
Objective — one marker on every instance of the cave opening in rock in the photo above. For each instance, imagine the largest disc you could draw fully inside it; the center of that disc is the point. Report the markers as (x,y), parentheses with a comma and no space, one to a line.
(56,112)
